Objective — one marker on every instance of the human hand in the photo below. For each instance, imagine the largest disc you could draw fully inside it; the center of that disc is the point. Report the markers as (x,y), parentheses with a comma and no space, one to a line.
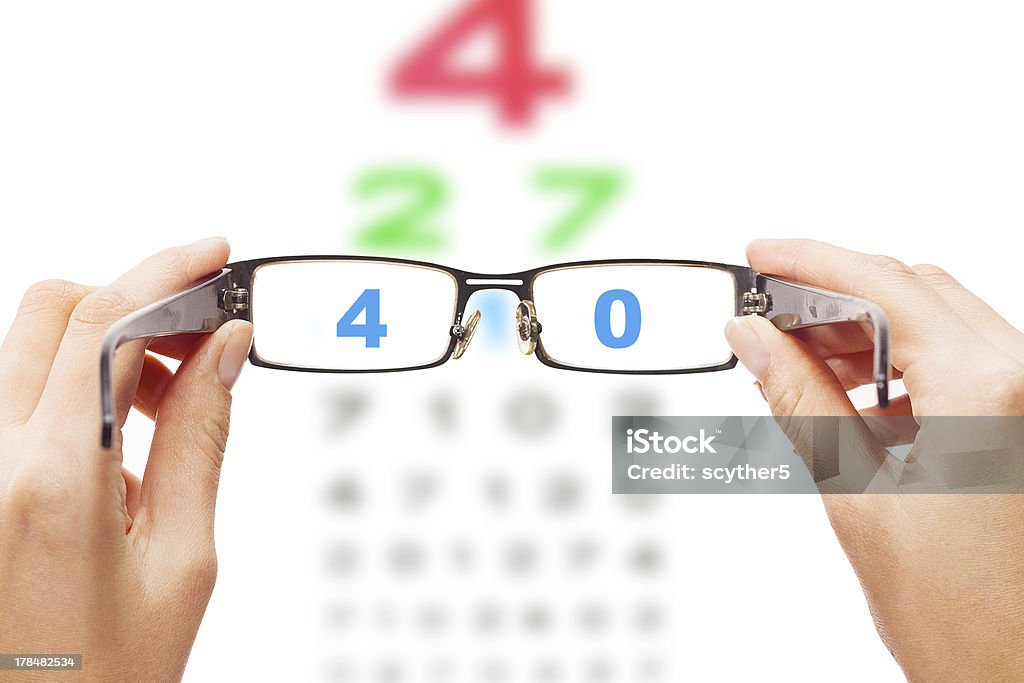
(943,574)
(93,560)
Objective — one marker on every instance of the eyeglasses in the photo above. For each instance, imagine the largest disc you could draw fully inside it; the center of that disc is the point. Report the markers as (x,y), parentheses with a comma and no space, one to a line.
(370,314)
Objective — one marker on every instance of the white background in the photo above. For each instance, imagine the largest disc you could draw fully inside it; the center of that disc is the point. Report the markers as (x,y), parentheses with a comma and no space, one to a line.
(890,127)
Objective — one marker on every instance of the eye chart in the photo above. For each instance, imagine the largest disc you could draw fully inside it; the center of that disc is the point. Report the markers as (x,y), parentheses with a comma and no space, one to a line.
(459,519)
(457,523)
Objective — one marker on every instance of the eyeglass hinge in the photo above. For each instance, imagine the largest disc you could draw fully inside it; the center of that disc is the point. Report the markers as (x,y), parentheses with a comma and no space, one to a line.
(234,300)
(756,302)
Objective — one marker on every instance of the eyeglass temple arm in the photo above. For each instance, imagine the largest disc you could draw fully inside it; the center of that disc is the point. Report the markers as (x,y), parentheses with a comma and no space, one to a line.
(201,308)
(791,305)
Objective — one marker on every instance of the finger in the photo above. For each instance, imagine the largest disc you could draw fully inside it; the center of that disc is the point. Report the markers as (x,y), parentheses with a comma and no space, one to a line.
(802,392)
(177,346)
(835,339)
(179,487)
(152,384)
(901,406)
(894,425)
(73,384)
(856,369)
(975,312)
(133,487)
(848,350)
(31,344)
(794,380)
(921,326)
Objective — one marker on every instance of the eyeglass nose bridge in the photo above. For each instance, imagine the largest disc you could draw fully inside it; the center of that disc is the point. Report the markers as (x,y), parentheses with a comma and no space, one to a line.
(517,283)
(512,282)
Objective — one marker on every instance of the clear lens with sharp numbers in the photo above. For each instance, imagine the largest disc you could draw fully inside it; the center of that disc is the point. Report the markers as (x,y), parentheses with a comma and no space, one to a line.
(351,315)
(632,317)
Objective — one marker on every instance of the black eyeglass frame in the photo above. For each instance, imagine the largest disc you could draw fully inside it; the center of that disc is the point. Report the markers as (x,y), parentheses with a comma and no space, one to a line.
(228,295)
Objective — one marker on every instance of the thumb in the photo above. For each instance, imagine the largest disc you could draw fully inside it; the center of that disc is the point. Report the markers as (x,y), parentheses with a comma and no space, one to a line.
(810,405)
(795,382)
(179,489)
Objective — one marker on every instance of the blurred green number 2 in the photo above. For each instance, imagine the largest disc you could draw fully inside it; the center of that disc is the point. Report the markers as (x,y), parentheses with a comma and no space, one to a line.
(422,192)
(595,190)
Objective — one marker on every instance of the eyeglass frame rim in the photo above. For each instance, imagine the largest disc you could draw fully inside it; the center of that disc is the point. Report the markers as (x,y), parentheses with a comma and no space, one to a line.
(243,273)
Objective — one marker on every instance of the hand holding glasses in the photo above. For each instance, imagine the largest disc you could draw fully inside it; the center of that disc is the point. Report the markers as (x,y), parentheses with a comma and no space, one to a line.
(370,314)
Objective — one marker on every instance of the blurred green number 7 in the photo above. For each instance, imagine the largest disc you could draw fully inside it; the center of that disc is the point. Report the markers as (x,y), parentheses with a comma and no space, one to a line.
(594,188)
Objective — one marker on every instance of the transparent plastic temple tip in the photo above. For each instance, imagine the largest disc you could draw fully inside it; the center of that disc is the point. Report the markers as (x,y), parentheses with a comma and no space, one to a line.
(197,309)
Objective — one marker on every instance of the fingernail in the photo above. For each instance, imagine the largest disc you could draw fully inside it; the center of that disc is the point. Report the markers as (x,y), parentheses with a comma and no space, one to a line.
(236,350)
(747,346)
(209,241)
(765,242)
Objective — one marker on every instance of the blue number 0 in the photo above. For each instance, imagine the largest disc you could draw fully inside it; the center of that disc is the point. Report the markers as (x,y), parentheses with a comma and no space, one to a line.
(603,318)
(371,329)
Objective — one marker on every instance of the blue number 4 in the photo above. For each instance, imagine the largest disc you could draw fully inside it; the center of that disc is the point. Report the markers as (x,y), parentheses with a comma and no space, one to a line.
(370,329)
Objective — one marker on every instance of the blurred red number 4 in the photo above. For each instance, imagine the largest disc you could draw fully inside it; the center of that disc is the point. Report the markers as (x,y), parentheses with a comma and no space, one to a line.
(514,81)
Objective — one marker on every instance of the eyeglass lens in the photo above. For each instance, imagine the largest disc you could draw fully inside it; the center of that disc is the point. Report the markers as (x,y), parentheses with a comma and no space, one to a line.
(352,315)
(635,317)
